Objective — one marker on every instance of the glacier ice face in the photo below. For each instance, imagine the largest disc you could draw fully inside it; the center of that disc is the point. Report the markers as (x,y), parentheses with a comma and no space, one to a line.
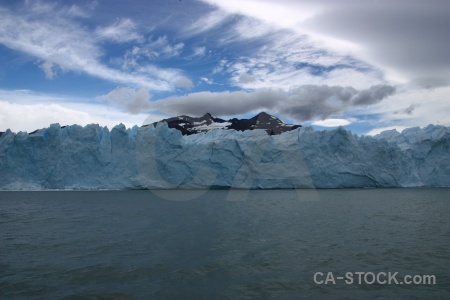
(94,157)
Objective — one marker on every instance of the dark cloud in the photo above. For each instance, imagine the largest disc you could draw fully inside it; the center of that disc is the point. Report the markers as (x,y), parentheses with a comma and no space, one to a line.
(304,103)
(316,102)
(408,36)
(430,82)
(373,95)
(410,109)
(131,100)
(220,104)
(407,111)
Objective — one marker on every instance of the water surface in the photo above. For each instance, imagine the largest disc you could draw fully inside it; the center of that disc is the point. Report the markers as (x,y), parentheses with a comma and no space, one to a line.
(221,245)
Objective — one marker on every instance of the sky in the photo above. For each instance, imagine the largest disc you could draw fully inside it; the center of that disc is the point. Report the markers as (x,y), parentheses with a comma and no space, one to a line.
(365,65)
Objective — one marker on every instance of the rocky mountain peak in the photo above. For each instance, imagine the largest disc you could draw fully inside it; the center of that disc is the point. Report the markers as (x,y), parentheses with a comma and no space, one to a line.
(192,125)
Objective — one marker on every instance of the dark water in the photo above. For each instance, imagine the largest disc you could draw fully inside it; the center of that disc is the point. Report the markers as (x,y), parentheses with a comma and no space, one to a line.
(256,245)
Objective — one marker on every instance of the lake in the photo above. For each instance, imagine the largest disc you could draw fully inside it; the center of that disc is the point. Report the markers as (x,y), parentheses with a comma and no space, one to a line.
(220,244)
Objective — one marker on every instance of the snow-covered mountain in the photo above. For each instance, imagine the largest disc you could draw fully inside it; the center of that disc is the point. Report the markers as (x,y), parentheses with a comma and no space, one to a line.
(94,157)
(191,125)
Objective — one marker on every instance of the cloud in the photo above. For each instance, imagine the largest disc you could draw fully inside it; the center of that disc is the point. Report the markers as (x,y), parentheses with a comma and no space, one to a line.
(63,43)
(284,13)
(82,12)
(312,102)
(22,110)
(132,100)
(207,80)
(24,117)
(49,69)
(208,22)
(184,83)
(40,7)
(121,31)
(332,122)
(163,47)
(304,103)
(136,60)
(246,78)
(430,82)
(407,39)
(279,73)
(373,95)
(269,56)
(379,130)
(136,56)
(408,108)
(219,104)
(198,51)
(282,58)
(222,66)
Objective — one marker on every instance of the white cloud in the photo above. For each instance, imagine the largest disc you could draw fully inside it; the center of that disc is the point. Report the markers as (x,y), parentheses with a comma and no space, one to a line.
(428,107)
(136,61)
(379,130)
(198,51)
(77,11)
(279,58)
(153,50)
(49,68)
(281,13)
(135,56)
(62,43)
(205,23)
(332,122)
(283,75)
(41,7)
(222,66)
(29,117)
(27,111)
(250,28)
(207,80)
(163,47)
(121,31)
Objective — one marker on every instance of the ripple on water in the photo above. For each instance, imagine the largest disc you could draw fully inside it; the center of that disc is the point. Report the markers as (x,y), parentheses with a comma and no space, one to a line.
(268,245)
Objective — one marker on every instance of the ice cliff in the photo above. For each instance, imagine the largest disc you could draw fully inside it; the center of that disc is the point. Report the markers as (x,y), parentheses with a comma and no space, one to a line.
(94,157)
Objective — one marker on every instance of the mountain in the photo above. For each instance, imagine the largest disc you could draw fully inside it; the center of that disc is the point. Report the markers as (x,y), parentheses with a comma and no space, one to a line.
(94,157)
(192,125)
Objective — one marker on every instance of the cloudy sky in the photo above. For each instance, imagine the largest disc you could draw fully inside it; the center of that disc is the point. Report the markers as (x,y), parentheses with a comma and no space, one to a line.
(365,65)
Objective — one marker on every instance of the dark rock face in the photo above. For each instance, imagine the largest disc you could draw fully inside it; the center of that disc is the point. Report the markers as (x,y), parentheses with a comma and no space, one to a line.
(1,133)
(191,125)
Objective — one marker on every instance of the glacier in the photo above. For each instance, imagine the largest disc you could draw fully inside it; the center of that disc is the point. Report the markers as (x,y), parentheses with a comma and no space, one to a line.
(93,157)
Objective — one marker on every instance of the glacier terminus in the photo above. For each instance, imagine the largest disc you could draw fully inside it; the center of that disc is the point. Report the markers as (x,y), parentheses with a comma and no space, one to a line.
(158,157)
